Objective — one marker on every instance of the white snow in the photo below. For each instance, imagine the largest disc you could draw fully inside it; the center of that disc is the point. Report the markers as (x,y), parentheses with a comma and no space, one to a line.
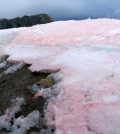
(10,113)
(86,55)
(14,68)
(21,124)
(25,123)
(7,35)
(2,64)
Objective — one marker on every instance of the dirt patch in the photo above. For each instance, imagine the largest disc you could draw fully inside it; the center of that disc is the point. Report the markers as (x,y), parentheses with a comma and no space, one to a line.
(15,84)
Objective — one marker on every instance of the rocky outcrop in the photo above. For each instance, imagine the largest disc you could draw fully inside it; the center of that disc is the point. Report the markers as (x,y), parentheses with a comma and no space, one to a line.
(25,21)
(23,98)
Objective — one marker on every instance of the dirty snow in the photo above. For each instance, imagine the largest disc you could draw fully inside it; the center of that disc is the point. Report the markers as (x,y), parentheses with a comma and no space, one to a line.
(86,56)
(5,120)
(25,123)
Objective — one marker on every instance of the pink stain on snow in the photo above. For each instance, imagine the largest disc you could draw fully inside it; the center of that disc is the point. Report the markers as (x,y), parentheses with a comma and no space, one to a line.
(86,53)
(72,32)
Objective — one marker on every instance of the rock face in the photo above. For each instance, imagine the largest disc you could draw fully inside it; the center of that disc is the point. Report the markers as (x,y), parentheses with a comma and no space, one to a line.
(25,21)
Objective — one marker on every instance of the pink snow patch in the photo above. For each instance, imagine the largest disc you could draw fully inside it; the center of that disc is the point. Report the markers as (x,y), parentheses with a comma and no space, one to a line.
(72,32)
(87,56)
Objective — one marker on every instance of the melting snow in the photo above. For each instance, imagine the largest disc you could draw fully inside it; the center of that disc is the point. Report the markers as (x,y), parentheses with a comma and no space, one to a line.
(86,55)
(5,120)
(22,124)
(14,68)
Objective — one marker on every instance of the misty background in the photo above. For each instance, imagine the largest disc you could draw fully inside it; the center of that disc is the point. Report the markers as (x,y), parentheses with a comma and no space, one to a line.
(61,9)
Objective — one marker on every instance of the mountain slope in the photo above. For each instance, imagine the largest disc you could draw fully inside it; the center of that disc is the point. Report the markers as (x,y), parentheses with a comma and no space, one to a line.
(84,59)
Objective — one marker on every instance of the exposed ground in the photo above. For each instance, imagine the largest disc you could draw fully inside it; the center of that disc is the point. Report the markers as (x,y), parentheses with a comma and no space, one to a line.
(16,84)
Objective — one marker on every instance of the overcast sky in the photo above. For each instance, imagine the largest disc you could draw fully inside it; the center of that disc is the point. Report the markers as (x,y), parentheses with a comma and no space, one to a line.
(61,9)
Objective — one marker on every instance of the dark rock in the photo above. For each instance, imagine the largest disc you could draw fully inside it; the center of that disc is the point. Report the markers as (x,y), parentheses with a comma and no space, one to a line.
(25,21)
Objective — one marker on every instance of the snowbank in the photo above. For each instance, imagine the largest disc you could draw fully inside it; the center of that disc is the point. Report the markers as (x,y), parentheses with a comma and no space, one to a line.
(86,55)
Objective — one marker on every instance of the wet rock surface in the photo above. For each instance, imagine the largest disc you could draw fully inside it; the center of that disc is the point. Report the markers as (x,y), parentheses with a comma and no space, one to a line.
(16,84)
